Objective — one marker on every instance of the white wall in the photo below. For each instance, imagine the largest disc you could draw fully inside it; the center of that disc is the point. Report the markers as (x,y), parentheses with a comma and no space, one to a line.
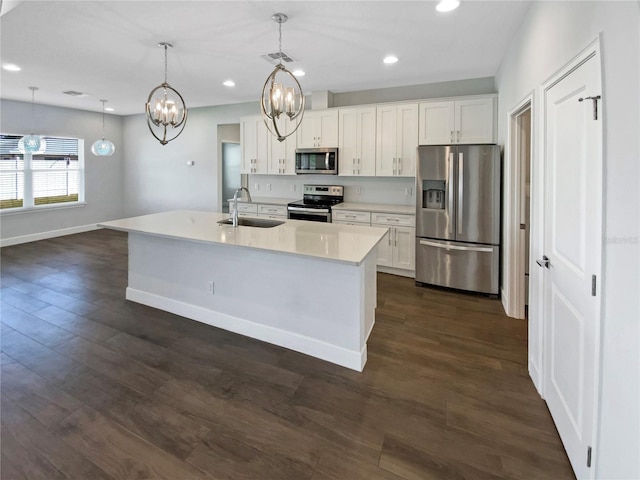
(157,177)
(103,175)
(550,36)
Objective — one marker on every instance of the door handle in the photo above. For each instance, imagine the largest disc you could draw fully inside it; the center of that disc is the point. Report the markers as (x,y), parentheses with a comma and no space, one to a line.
(460,190)
(450,192)
(545,263)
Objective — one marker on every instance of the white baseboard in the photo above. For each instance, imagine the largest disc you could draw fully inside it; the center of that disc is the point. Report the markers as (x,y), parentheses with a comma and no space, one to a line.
(34,237)
(293,341)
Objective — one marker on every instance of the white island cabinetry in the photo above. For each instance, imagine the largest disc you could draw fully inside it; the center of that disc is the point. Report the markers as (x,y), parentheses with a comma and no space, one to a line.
(252,280)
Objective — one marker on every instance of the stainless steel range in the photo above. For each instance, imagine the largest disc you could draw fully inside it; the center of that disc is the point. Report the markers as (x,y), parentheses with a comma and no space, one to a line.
(316,204)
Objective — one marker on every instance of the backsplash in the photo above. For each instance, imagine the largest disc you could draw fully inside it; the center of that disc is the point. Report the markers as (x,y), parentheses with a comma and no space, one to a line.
(387,190)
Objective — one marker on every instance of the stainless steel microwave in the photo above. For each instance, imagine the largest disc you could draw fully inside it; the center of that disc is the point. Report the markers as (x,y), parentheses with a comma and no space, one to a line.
(317,160)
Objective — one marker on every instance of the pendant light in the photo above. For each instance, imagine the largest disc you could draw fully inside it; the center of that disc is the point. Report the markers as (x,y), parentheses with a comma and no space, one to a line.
(32,143)
(282,102)
(103,148)
(168,110)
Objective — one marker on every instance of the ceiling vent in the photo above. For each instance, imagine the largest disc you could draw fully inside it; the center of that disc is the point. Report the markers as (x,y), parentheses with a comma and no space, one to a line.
(73,93)
(274,58)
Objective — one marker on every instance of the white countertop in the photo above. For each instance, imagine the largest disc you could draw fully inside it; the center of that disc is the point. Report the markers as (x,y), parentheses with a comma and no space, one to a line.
(268,200)
(333,242)
(376,207)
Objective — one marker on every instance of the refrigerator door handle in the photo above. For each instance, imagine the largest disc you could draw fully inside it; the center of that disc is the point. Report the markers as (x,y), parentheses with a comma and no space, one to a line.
(460,190)
(450,193)
(455,247)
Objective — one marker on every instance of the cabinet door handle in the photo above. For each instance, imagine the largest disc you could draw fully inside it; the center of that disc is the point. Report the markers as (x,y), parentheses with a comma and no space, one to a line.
(451,136)
(395,239)
(389,237)
(399,165)
(458,136)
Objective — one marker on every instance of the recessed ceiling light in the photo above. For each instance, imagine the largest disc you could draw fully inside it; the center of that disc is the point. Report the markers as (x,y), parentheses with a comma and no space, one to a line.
(299,73)
(389,59)
(11,67)
(108,109)
(229,83)
(447,5)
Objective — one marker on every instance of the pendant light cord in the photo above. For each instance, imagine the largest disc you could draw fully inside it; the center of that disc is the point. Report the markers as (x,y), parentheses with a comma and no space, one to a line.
(165,64)
(33,97)
(103,101)
(280,40)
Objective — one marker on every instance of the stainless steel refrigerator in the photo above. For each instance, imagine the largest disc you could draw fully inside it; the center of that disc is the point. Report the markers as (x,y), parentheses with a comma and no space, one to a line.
(458,217)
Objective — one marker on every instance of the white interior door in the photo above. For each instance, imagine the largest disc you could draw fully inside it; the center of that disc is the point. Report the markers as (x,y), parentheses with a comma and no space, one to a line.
(573,245)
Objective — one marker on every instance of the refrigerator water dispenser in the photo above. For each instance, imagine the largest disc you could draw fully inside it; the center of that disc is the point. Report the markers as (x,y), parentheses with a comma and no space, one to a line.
(433,194)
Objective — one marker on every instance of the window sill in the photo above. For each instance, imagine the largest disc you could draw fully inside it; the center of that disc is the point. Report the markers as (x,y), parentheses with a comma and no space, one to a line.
(40,208)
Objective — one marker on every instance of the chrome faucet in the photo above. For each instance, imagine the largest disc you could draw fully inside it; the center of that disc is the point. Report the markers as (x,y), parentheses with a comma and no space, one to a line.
(234,215)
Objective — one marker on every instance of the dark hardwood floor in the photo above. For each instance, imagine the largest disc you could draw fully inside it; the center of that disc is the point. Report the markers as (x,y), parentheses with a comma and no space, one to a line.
(95,387)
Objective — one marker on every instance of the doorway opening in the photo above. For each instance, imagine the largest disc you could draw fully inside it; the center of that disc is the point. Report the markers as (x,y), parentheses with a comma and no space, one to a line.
(518,216)
(230,164)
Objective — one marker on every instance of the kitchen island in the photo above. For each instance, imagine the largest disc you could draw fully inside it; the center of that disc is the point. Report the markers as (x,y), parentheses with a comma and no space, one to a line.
(306,286)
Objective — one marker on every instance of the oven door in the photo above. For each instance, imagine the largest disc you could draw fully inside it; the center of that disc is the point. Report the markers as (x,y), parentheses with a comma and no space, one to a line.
(309,214)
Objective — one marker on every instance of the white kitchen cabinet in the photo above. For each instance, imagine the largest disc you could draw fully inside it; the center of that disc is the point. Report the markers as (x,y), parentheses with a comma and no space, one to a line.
(351,217)
(318,129)
(254,145)
(464,121)
(357,141)
(272,211)
(396,140)
(244,209)
(282,155)
(398,249)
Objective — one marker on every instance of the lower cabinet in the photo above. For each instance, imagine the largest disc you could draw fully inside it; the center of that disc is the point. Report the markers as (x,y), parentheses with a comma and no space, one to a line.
(398,249)
(272,211)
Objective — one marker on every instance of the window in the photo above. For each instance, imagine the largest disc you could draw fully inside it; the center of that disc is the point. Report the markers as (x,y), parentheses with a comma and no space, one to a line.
(55,176)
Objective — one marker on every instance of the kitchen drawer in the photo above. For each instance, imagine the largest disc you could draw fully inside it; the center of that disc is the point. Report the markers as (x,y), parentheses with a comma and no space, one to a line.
(246,208)
(280,210)
(393,219)
(351,216)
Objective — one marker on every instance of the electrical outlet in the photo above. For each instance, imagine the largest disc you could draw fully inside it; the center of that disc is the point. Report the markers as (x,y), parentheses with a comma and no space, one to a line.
(210,287)
(293,187)
(408,191)
(269,186)
(256,186)
(358,190)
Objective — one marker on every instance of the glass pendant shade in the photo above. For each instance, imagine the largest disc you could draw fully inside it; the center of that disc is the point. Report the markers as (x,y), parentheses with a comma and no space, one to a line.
(282,102)
(165,109)
(32,144)
(103,148)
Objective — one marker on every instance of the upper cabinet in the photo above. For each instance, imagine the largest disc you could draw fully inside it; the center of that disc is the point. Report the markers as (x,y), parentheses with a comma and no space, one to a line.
(357,141)
(465,121)
(318,129)
(254,144)
(396,140)
(282,155)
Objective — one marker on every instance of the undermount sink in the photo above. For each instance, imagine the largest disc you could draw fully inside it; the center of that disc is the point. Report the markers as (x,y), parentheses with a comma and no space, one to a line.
(252,222)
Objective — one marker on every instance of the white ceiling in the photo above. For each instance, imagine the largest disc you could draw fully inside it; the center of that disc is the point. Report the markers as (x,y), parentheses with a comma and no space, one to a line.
(108,48)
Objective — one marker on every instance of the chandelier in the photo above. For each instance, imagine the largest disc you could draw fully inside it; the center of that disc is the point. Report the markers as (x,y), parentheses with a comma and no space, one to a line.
(32,143)
(103,148)
(282,102)
(168,113)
